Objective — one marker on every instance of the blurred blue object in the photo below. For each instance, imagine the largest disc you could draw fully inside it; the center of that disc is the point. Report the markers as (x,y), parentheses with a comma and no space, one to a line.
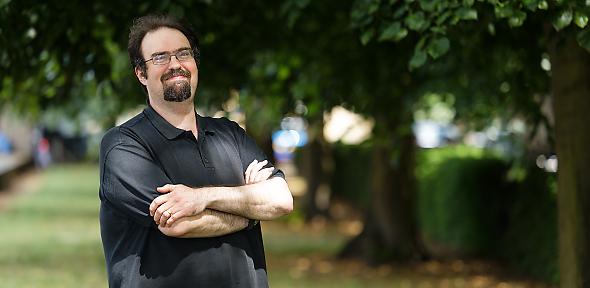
(5,145)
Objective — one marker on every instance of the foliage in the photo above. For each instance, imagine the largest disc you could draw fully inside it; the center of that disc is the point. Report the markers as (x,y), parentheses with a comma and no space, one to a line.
(461,201)
(530,241)
(382,20)
(64,55)
(350,182)
(467,206)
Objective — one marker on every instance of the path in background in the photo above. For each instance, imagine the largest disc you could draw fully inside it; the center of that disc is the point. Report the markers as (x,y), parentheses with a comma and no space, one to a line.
(51,238)
(26,182)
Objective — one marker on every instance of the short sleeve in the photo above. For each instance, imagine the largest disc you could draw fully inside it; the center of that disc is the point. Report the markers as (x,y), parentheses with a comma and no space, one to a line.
(129,180)
(249,151)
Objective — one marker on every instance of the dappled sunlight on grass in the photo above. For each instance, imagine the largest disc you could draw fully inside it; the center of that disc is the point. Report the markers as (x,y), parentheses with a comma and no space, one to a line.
(304,255)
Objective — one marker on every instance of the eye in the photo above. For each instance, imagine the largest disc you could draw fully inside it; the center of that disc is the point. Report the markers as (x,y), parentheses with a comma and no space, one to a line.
(161,58)
(184,54)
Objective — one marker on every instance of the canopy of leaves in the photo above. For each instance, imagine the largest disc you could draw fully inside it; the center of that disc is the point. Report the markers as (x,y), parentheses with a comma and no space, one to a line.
(432,20)
(56,54)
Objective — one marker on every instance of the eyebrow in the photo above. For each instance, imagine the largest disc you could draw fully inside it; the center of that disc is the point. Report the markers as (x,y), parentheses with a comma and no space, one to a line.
(166,52)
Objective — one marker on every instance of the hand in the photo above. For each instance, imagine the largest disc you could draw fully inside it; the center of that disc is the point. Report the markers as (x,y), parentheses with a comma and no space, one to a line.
(178,201)
(254,173)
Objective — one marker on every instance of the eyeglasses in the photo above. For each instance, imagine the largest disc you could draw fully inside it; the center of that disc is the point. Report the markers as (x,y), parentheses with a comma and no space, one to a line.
(164,58)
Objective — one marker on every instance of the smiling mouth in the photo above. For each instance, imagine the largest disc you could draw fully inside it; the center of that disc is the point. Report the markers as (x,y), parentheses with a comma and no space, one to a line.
(176,78)
(176,75)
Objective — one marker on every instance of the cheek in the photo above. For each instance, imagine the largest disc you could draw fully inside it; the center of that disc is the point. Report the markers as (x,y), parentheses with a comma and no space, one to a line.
(195,78)
(154,78)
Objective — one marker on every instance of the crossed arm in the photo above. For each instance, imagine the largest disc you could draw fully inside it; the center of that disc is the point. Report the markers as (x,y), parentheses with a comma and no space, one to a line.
(187,212)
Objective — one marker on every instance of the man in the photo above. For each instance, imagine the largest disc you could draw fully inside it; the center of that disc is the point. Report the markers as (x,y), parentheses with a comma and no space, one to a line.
(181,194)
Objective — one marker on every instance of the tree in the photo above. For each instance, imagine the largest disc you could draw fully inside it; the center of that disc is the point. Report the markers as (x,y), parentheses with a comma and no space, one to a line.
(433,23)
(66,55)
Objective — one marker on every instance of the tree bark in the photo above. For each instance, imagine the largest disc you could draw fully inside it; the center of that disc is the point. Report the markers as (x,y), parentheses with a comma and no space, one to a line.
(390,222)
(571,90)
(313,173)
(316,169)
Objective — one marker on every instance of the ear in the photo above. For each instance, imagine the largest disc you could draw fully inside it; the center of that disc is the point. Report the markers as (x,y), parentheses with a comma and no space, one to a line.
(140,76)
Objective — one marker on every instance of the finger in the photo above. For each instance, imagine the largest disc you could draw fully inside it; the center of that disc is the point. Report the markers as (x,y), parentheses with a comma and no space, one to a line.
(256,170)
(165,216)
(247,174)
(264,174)
(165,189)
(250,166)
(158,213)
(156,203)
(260,165)
(173,218)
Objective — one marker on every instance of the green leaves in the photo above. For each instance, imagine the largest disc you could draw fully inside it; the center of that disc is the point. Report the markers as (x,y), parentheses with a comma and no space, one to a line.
(580,19)
(517,19)
(465,13)
(563,19)
(394,32)
(417,21)
(543,5)
(435,48)
(583,38)
(418,59)
(428,5)
(4,2)
(503,11)
(438,47)
(514,14)
(367,36)
(362,12)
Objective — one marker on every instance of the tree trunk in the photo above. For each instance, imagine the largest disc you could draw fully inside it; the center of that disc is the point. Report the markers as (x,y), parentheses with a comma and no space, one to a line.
(313,173)
(390,222)
(571,90)
(316,169)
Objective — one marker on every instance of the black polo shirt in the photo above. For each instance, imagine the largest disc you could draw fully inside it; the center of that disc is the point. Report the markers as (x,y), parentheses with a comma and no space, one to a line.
(147,152)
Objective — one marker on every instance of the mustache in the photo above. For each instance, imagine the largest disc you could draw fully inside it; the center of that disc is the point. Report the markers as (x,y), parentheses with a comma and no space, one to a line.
(174,73)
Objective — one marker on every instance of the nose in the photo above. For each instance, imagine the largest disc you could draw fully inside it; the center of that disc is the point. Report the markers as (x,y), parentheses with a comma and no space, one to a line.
(174,62)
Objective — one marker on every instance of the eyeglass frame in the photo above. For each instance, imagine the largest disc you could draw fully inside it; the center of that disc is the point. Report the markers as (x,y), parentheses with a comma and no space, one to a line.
(169,56)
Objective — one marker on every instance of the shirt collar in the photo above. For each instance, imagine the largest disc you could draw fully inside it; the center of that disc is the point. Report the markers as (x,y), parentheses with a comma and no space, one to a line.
(168,130)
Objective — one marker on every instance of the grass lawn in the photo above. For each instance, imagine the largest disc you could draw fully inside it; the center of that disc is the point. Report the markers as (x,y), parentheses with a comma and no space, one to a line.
(50,238)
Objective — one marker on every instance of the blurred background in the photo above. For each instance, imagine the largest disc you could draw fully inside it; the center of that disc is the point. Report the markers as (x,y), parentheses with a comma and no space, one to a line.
(420,138)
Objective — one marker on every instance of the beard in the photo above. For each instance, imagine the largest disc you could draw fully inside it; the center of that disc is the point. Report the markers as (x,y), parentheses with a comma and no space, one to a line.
(178,91)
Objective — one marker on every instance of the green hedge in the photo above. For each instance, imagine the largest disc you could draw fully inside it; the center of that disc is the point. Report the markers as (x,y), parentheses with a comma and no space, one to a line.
(460,202)
(467,206)
(530,243)
(352,172)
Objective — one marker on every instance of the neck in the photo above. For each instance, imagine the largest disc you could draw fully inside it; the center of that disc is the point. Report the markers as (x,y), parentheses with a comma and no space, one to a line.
(180,114)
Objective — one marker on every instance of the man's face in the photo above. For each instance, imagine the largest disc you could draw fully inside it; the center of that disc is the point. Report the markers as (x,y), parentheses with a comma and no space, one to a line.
(175,81)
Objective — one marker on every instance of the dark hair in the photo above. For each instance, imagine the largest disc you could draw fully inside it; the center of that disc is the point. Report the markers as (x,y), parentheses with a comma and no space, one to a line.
(145,24)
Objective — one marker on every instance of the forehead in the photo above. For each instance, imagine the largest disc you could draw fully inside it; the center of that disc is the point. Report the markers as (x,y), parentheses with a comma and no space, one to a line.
(162,40)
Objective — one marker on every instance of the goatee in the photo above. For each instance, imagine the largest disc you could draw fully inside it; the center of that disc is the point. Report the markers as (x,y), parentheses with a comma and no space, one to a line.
(179,90)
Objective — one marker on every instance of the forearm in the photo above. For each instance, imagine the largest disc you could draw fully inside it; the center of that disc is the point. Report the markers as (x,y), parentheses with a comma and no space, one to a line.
(265,200)
(209,223)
